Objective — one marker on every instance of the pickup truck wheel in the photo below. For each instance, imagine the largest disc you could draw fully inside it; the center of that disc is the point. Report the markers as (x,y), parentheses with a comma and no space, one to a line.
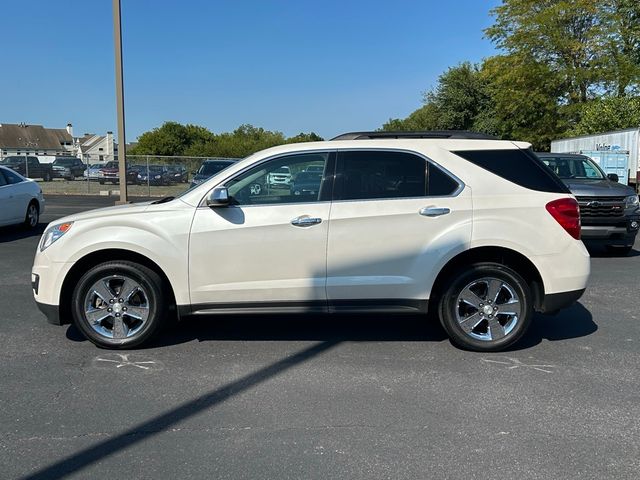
(487,307)
(32,216)
(46,177)
(119,304)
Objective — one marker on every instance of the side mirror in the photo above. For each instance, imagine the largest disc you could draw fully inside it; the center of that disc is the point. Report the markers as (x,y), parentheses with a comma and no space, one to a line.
(219,197)
(613,177)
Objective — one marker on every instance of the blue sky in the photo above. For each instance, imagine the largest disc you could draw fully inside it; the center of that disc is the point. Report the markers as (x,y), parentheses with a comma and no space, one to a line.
(292,66)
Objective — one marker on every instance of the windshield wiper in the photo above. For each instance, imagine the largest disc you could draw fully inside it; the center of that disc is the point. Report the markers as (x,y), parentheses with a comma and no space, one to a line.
(163,200)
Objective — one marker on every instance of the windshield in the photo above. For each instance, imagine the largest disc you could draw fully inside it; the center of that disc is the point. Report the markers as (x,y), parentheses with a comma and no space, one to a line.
(211,168)
(574,167)
(65,162)
(12,160)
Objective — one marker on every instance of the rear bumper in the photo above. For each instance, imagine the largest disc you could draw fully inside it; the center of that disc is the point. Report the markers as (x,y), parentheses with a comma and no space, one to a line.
(557,301)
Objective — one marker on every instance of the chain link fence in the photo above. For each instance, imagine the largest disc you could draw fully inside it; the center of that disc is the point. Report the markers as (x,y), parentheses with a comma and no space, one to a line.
(146,175)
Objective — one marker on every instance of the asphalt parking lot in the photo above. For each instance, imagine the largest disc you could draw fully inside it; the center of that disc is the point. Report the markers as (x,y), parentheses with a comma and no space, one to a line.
(320,397)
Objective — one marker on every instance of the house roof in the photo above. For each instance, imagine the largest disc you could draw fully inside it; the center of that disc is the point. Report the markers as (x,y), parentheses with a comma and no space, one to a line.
(88,141)
(32,136)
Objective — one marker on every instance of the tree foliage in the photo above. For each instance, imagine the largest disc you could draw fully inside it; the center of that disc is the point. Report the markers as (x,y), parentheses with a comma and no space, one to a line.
(565,66)
(172,138)
(454,104)
(615,113)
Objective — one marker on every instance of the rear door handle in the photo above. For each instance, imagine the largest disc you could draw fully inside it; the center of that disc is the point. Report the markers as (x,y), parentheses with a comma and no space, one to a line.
(305,221)
(434,211)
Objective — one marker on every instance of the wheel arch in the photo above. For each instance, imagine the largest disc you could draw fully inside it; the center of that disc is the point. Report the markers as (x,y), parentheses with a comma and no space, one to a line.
(81,266)
(504,256)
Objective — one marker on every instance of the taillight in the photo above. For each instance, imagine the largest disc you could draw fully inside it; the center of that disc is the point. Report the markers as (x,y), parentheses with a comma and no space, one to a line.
(567,213)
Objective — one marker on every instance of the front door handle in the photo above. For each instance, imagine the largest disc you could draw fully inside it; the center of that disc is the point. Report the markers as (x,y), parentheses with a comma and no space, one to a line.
(434,211)
(305,221)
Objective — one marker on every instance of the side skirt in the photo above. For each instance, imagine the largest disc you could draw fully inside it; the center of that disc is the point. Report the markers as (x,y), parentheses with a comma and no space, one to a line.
(395,306)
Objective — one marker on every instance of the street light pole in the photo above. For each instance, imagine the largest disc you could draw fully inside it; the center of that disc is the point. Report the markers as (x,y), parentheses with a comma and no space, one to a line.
(122,155)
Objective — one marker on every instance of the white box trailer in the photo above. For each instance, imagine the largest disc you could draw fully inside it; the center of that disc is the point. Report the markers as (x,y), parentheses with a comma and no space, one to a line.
(619,141)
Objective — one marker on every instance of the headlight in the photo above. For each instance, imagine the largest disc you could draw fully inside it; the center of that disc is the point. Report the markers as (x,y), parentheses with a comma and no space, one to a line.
(54,233)
(631,201)
(157,177)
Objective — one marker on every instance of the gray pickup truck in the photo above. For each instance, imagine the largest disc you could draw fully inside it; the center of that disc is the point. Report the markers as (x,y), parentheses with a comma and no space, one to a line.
(609,211)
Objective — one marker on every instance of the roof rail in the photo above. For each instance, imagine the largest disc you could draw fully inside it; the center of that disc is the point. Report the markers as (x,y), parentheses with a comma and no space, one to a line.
(457,134)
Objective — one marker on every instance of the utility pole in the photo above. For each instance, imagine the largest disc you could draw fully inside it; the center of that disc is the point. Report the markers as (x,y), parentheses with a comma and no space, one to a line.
(122,155)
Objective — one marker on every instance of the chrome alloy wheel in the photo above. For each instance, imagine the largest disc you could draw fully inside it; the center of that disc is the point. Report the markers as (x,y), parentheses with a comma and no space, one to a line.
(32,215)
(116,306)
(488,309)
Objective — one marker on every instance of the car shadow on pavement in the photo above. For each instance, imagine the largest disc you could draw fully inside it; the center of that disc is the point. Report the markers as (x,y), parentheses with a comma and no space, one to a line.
(573,322)
(352,328)
(18,232)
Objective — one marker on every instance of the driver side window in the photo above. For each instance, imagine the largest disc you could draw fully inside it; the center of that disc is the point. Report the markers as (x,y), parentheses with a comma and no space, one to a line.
(297,178)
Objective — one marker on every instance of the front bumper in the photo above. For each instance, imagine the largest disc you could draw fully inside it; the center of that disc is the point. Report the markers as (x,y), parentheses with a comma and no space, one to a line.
(620,231)
(52,312)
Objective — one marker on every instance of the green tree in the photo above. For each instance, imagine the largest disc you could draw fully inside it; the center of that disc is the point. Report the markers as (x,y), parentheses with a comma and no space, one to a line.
(456,103)
(525,102)
(564,35)
(621,23)
(305,137)
(603,115)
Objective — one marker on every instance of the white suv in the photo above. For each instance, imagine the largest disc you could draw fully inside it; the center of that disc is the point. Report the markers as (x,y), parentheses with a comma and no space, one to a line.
(476,230)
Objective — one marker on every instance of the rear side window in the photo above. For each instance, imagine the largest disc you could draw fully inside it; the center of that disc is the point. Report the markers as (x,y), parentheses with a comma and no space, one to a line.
(521,167)
(368,175)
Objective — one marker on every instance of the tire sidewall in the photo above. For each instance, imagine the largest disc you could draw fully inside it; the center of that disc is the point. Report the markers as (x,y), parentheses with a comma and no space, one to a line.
(465,277)
(142,275)
(27,221)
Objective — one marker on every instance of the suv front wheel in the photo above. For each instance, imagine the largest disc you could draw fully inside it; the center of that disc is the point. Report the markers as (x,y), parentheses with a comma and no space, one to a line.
(486,307)
(119,304)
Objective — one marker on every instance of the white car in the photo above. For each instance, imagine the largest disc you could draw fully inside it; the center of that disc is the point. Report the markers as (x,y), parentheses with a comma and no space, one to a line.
(21,199)
(281,177)
(477,230)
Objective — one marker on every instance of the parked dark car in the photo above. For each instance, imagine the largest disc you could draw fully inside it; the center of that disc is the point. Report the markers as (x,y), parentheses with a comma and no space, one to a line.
(178,173)
(133,171)
(208,169)
(68,168)
(29,167)
(306,183)
(609,211)
(155,175)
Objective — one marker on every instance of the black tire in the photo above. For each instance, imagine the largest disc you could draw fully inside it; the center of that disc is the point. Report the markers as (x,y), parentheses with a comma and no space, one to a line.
(32,217)
(154,292)
(46,177)
(477,276)
(101,182)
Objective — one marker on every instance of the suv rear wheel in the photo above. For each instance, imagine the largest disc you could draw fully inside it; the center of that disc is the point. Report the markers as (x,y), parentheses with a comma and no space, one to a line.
(119,304)
(486,307)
